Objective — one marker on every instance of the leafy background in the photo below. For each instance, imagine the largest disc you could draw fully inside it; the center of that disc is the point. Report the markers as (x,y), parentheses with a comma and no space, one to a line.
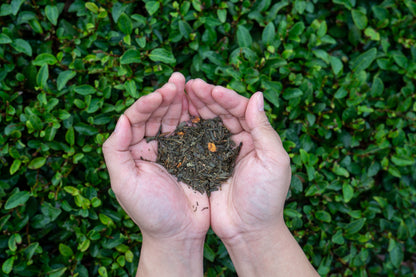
(339,79)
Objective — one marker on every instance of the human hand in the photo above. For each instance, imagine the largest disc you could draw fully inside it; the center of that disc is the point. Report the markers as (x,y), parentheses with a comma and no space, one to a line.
(247,213)
(253,198)
(155,201)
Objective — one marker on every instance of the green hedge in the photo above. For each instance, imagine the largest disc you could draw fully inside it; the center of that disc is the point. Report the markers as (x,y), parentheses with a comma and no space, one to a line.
(339,78)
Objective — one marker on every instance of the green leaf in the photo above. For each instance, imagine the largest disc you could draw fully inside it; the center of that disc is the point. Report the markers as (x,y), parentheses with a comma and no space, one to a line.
(43,76)
(377,88)
(323,55)
(71,190)
(13,241)
(64,77)
(5,9)
(45,58)
(129,256)
(355,226)
(105,219)
(323,216)
(197,5)
(222,15)
(84,245)
(243,37)
(402,231)
(364,60)
(402,161)
(395,253)
(7,266)
(209,254)
(359,18)
(336,64)
(184,28)
(5,39)
(269,33)
(102,271)
(15,6)
(131,88)
(411,5)
(152,7)
(323,28)
(400,60)
(15,166)
(338,238)
(70,136)
(271,92)
(292,93)
(65,250)
(124,24)
(130,56)
(85,129)
(349,4)
(347,192)
(52,13)
(92,7)
(340,171)
(22,46)
(16,199)
(162,55)
(84,90)
(341,93)
(296,30)
(372,34)
(117,10)
(57,272)
(37,163)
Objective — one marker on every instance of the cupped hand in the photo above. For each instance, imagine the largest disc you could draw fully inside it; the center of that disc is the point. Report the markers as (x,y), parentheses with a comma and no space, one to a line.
(156,202)
(252,200)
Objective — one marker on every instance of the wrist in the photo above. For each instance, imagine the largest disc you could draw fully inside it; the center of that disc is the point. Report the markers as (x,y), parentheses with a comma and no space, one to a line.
(270,252)
(171,257)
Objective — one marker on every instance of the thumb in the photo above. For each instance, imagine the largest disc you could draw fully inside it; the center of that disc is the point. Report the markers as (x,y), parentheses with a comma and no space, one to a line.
(267,142)
(116,151)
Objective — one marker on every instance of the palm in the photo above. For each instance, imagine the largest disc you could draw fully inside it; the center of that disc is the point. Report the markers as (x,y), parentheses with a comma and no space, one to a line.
(162,208)
(248,200)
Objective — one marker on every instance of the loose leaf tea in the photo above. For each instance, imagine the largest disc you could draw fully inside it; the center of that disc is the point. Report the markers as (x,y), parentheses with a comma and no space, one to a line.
(199,153)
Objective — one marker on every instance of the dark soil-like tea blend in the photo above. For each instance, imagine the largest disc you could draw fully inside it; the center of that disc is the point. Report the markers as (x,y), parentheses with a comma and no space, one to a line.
(199,153)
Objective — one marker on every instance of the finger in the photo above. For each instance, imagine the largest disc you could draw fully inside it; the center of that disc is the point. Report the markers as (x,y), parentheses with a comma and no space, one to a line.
(185,115)
(231,101)
(267,142)
(208,105)
(193,111)
(197,85)
(168,92)
(179,80)
(171,118)
(140,112)
(212,105)
(117,155)
(234,106)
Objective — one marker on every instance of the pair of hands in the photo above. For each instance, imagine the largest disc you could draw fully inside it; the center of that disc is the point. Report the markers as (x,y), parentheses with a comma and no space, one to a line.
(248,207)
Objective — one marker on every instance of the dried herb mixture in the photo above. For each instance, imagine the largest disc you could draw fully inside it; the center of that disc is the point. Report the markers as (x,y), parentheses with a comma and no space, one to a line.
(199,153)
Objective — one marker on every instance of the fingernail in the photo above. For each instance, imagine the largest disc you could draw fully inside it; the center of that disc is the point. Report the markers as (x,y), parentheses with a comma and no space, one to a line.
(260,101)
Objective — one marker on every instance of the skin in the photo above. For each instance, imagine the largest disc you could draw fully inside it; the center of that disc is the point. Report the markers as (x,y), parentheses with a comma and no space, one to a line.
(246,214)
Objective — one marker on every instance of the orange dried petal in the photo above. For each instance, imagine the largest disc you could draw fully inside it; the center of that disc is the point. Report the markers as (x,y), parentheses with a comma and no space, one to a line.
(196,119)
(212,147)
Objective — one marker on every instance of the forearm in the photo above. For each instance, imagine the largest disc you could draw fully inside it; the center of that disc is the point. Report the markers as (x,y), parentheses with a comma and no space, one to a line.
(272,253)
(158,258)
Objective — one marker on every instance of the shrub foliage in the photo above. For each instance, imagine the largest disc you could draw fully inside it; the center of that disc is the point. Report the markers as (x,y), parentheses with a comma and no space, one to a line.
(339,80)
